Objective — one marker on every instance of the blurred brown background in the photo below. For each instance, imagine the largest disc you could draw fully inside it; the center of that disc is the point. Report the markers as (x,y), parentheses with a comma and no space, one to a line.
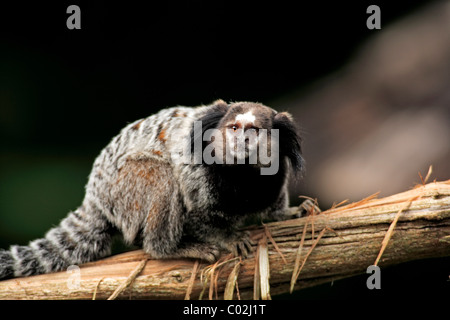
(376,122)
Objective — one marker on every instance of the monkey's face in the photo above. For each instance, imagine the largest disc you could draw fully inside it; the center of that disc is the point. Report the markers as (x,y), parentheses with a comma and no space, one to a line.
(246,131)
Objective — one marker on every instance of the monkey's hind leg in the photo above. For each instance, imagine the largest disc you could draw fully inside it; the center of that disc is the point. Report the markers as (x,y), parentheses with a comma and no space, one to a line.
(154,206)
(163,232)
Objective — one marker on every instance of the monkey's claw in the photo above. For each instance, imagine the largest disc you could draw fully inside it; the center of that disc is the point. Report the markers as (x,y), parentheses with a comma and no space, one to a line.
(240,245)
(210,253)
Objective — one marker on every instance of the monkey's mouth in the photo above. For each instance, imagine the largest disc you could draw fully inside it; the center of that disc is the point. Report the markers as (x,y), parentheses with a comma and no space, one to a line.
(243,154)
(241,148)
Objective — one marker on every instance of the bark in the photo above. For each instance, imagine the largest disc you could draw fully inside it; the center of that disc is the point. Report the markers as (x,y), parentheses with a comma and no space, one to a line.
(337,243)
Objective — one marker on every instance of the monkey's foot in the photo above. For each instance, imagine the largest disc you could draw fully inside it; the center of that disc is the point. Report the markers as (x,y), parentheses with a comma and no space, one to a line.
(204,251)
(240,244)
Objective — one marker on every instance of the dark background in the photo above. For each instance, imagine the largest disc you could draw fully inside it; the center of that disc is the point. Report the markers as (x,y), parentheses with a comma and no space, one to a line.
(71,88)
(65,93)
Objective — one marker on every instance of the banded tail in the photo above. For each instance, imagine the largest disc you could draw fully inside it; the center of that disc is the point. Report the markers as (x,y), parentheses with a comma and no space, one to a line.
(80,237)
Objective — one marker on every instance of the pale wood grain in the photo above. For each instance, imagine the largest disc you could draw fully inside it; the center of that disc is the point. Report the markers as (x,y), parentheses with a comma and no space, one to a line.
(350,245)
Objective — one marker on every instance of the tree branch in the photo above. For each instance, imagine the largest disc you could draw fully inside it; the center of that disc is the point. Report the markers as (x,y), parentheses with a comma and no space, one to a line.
(337,243)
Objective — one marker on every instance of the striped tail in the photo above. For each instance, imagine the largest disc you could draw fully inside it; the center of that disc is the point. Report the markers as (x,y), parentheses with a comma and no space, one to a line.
(80,237)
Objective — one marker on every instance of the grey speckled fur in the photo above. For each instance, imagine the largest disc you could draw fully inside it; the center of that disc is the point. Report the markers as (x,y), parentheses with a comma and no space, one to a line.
(172,209)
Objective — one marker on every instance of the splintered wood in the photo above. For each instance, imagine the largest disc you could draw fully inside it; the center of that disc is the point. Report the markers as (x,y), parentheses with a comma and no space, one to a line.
(287,255)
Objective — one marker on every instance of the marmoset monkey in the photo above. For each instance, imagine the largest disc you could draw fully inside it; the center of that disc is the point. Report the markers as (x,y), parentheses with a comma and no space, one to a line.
(179,183)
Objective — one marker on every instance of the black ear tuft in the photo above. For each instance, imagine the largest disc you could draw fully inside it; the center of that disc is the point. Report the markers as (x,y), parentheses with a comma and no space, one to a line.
(209,121)
(290,140)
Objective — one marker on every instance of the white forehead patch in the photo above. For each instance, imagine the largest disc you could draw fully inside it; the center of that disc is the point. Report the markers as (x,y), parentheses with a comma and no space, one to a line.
(246,117)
